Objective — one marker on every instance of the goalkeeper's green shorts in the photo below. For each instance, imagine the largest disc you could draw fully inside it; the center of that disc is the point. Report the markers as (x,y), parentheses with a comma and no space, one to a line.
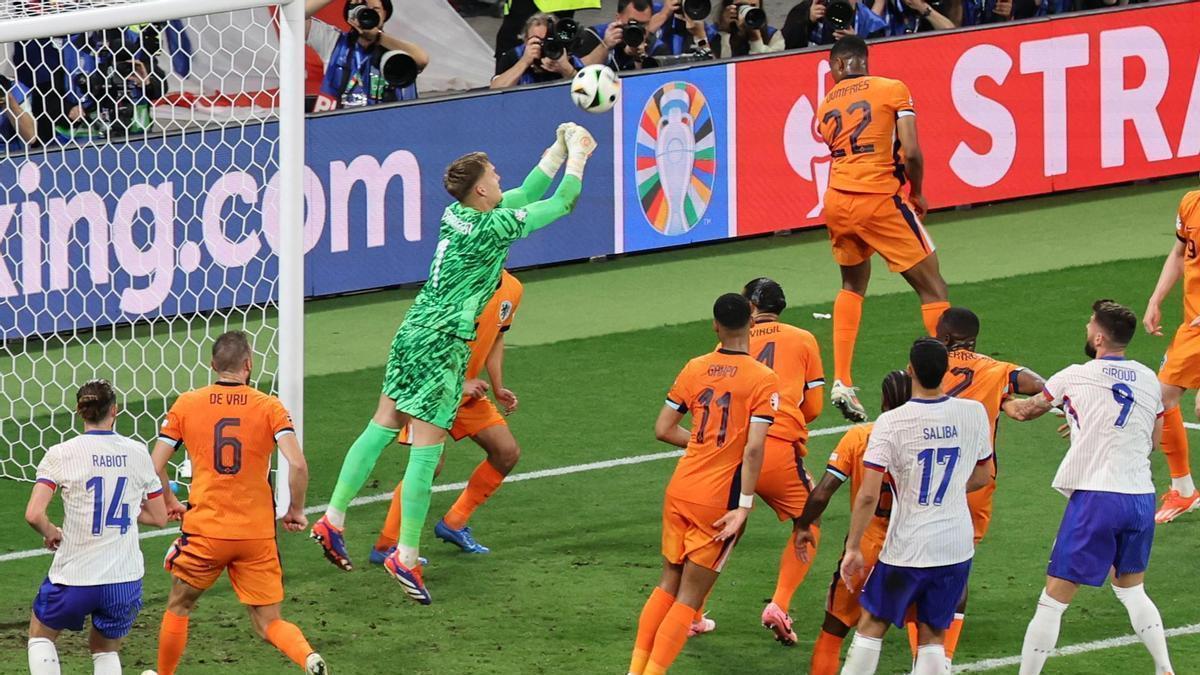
(424,374)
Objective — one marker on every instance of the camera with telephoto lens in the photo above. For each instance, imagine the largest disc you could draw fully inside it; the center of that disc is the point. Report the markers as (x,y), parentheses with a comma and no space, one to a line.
(114,98)
(753,18)
(396,66)
(633,34)
(560,36)
(839,14)
(365,17)
(697,10)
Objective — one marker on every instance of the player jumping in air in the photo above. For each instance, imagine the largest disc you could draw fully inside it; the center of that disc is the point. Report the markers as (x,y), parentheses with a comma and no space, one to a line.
(977,377)
(871,129)
(1180,369)
(423,379)
(936,449)
(108,486)
(842,609)
(733,400)
(478,420)
(1114,409)
(230,430)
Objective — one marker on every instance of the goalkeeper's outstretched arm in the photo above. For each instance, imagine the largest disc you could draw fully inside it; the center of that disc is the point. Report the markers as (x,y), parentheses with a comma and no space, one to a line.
(538,181)
(580,146)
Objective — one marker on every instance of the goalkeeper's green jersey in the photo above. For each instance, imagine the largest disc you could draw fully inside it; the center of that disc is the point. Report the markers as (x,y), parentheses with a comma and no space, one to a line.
(471,250)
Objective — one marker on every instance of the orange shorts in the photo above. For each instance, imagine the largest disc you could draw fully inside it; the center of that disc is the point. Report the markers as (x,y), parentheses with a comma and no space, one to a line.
(474,415)
(1181,363)
(841,602)
(783,483)
(688,533)
(862,223)
(253,566)
(980,503)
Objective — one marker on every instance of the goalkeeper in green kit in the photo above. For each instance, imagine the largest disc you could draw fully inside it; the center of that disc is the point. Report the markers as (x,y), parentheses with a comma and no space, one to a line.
(423,380)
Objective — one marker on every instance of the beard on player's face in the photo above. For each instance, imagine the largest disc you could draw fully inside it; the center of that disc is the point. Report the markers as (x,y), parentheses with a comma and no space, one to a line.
(1089,349)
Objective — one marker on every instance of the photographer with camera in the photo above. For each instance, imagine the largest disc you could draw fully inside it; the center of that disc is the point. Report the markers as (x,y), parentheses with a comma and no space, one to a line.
(18,129)
(543,56)
(823,22)
(364,65)
(682,26)
(744,30)
(628,43)
(112,80)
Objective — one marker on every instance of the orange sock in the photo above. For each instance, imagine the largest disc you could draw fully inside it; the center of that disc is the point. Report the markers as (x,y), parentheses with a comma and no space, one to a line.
(826,653)
(952,634)
(847,315)
(484,480)
(669,640)
(911,627)
(390,534)
(930,313)
(791,571)
(288,639)
(172,639)
(653,611)
(1175,443)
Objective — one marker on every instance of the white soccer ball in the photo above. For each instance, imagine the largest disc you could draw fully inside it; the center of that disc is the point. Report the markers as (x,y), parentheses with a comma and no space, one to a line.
(596,88)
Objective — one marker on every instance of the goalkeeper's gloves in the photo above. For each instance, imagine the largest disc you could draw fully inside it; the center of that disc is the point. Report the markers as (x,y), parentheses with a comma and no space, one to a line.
(580,146)
(554,156)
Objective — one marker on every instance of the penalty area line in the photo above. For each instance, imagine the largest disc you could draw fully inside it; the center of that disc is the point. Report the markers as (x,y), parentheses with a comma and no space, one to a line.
(1072,650)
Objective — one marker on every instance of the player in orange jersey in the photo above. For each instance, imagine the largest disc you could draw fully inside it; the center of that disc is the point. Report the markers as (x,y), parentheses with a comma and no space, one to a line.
(871,129)
(846,463)
(230,430)
(733,400)
(478,420)
(1180,369)
(981,378)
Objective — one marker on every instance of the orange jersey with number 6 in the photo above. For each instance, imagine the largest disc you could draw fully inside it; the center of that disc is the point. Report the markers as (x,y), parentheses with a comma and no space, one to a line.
(795,357)
(229,432)
(857,120)
(725,391)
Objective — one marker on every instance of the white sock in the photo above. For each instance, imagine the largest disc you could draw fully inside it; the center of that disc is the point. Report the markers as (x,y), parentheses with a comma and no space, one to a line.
(931,660)
(408,555)
(1041,635)
(106,663)
(1185,485)
(43,657)
(863,657)
(335,517)
(1147,623)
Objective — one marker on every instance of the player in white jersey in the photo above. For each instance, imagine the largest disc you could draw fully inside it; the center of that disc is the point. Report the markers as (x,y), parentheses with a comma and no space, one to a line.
(1114,409)
(936,449)
(108,482)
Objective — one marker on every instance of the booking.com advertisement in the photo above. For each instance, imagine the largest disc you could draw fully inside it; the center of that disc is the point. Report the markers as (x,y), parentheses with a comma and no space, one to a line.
(114,234)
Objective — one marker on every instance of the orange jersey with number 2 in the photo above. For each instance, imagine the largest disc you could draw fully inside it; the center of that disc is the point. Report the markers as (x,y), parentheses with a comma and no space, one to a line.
(857,120)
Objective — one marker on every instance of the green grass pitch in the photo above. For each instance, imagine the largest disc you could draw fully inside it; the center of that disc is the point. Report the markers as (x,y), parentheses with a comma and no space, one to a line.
(592,352)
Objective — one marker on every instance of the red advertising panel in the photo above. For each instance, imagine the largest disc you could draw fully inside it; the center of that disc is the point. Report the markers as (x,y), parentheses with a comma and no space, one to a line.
(1004,112)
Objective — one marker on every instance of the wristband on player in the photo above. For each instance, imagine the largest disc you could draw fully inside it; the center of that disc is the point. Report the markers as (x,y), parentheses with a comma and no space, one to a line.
(746,502)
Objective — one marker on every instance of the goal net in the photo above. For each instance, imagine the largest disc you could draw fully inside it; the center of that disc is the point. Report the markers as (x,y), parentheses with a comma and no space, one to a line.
(149,157)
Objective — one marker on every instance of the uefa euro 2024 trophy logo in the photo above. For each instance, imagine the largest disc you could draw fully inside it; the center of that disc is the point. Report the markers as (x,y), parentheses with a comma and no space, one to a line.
(675,158)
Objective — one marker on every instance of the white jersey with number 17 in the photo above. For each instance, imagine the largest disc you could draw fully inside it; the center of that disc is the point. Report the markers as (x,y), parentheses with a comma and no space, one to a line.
(930,448)
(1111,404)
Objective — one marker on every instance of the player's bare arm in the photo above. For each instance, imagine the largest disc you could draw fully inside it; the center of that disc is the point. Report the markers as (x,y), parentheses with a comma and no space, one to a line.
(154,512)
(160,456)
(1025,409)
(817,502)
(864,507)
(667,429)
(495,370)
(289,447)
(733,521)
(1029,383)
(813,404)
(914,161)
(35,515)
(981,477)
(1171,272)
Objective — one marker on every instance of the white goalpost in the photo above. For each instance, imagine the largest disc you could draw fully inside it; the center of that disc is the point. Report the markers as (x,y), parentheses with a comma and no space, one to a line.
(150,199)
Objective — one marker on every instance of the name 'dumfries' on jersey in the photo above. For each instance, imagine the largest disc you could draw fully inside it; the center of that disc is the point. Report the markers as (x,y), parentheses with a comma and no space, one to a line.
(940,433)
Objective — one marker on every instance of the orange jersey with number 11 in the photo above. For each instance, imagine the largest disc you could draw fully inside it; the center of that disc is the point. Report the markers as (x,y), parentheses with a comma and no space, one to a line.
(857,120)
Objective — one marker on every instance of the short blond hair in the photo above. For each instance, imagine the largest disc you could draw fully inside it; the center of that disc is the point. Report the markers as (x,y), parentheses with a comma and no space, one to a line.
(464,172)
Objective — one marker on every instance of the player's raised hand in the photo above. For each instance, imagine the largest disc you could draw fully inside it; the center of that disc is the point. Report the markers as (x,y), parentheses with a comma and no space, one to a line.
(475,388)
(806,544)
(852,566)
(295,520)
(508,400)
(731,523)
(1152,319)
(54,539)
